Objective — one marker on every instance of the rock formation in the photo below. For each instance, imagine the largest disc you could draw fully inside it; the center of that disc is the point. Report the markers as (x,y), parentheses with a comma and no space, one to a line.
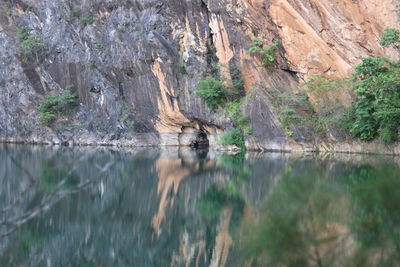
(135,65)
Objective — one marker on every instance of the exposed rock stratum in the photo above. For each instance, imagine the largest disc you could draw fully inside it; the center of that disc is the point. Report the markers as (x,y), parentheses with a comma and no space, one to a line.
(125,66)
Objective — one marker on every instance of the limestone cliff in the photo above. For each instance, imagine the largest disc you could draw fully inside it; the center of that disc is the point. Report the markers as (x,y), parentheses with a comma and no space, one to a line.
(135,64)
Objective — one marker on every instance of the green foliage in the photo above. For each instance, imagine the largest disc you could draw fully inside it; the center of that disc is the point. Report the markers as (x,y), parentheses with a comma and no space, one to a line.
(288,233)
(47,117)
(216,91)
(56,105)
(87,21)
(31,46)
(293,108)
(212,92)
(375,194)
(391,37)
(22,33)
(321,84)
(217,94)
(309,211)
(241,121)
(377,107)
(53,177)
(268,55)
(92,64)
(233,137)
(100,46)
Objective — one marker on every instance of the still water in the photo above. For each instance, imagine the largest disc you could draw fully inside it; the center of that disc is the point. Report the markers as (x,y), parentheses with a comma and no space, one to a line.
(178,207)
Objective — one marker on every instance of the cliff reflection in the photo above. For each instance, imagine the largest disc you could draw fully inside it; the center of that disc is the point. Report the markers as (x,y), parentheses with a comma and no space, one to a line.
(179,207)
(94,207)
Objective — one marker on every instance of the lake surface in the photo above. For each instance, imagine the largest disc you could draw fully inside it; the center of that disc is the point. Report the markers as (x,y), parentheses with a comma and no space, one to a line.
(178,207)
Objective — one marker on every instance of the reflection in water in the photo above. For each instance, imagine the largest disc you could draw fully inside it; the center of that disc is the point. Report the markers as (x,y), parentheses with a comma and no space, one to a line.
(178,207)
(340,217)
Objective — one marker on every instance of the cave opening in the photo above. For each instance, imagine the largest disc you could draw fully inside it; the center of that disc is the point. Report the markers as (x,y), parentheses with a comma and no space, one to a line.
(201,141)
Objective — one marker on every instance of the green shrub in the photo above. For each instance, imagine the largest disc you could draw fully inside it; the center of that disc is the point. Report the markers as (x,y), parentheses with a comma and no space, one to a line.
(390,37)
(294,108)
(377,107)
(100,46)
(230,97)
(92,64)
(31,46)
(56,105)
(241,121)
(87,21)
(268,56)
(212,92)
(217,92)
(22,33)
(288,117)
(47,117)
(233,137)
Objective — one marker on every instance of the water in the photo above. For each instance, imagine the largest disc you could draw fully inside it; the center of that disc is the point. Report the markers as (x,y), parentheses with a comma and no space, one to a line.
(177,207)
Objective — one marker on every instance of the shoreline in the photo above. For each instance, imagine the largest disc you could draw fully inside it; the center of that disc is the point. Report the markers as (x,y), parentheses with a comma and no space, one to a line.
(290,146)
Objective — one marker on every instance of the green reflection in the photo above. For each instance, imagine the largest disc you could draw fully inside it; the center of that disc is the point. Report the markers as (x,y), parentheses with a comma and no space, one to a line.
(54,176)
(375,203)
(311,219)
(216,198)
(225,197)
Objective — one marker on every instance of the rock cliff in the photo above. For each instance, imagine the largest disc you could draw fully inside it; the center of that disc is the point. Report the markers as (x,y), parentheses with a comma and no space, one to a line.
(135,64)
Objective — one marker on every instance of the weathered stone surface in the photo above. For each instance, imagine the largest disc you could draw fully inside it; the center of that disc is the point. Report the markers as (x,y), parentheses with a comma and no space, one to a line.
(136,68)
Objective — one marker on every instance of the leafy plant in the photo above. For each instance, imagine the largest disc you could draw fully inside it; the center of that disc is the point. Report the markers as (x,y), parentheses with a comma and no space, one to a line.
(88,20)
(56,105)
(241,121)
(100,45)
(31,46)
(92,64)
(391,37)
(212,92)
(233,137)
(268,55)
(22,33)
(377,107)
(216,92)
(293,107)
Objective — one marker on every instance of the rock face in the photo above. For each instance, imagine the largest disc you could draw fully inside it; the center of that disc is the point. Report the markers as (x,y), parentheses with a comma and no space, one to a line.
(135,64)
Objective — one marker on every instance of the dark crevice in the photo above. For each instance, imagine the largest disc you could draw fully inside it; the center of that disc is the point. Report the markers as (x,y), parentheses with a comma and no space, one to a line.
(201,141)
(211,50)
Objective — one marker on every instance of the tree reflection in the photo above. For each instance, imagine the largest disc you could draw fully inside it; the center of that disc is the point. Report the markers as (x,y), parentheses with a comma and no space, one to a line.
(375,222)
(313,220)
(55,181)
(222,208)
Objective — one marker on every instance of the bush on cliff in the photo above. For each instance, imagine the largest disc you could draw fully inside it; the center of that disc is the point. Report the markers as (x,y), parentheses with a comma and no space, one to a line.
(377,107)
(56,105)
(268,55)
(233,137)
(391,37)
(212,92)
(217,92)
(31,46)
